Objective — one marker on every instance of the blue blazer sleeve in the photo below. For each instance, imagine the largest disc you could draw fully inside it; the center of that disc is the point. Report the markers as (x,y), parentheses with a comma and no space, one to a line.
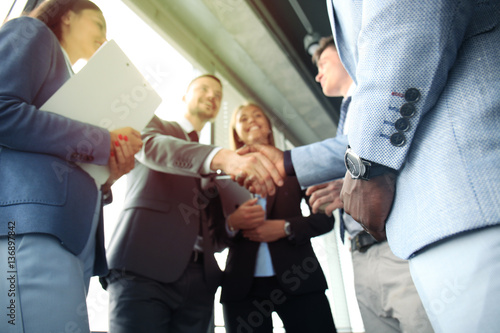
(32,69)
(398,45)
(320,162)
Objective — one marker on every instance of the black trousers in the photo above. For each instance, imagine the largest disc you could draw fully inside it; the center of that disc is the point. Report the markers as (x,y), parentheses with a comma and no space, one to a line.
(138,304)
(305,313)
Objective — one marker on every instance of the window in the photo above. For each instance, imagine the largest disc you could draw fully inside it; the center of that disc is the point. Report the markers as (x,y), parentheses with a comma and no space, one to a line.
(10,9)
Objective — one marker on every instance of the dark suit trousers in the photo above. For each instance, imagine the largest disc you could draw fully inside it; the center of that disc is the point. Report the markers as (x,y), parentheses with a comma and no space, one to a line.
(139,304)
(299,313)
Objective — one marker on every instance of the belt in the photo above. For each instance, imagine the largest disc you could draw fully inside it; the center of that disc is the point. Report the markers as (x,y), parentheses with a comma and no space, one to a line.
(362,242)
(196,256)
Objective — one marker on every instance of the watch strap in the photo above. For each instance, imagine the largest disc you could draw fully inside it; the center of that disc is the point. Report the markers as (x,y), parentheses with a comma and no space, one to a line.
(374,170)
(369,169)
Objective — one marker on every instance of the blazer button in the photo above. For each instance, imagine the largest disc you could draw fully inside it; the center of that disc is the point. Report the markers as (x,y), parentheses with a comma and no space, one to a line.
(407,110)
(398,139)
(75,156)
(402,124)
(412,95)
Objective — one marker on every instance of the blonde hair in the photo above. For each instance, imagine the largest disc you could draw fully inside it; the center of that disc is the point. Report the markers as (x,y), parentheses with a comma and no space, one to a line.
(234,140)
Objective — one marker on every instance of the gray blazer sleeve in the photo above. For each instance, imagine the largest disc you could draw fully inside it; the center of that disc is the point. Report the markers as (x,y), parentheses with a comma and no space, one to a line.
(166,150)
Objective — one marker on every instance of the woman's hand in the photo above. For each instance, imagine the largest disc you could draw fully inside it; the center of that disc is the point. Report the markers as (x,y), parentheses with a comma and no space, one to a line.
(128,134)
(248,216)
(270,231)
(121,160)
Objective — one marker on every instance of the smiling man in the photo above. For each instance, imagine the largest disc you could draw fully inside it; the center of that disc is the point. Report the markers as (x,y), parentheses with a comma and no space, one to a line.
(163,271)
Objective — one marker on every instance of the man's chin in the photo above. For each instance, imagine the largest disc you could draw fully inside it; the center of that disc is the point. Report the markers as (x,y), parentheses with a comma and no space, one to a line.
(209,116)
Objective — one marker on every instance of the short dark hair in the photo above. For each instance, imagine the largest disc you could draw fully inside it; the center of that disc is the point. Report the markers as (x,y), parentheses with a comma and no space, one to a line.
(324,43)
(204,75)
(51,12)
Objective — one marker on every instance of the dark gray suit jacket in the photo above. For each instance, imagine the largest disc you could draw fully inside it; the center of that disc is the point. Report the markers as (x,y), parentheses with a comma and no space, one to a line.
(163,208)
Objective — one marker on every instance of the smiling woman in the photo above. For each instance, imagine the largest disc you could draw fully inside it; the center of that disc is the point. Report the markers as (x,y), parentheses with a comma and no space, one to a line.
(249,125)
(267,245)
(81,25)
(82,33)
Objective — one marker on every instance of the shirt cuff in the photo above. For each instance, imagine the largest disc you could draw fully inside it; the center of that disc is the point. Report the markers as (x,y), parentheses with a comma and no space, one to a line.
(205,169)
(287,161)
(230,233)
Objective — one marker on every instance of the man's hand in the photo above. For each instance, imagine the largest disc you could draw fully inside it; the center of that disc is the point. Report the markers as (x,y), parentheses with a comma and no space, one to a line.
(369,202)
(254,171)
(272,153)
(248,216)
(270,231)
(325,198)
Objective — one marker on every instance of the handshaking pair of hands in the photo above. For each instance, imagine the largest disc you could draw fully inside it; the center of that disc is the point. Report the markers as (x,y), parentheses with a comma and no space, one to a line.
(125,143)
(368,202)
(260,168)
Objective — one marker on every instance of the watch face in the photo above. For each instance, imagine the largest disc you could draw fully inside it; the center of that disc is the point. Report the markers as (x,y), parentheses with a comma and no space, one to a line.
(354,164)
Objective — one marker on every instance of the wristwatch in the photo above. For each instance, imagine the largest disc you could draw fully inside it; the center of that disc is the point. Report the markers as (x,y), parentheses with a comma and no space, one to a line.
(363,169)
(288,229)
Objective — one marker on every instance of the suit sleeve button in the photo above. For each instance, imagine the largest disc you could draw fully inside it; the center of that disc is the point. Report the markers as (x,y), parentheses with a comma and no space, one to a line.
(407,110)
(398,139)
(402,124)
(412,95)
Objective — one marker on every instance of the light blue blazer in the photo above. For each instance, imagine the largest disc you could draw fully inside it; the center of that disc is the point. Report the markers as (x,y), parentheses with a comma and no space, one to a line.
(41,188)
(448,152)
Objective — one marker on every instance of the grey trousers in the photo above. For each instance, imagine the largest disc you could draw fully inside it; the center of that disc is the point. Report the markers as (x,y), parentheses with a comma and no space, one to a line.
(386,295)
(43,286)
(138,304)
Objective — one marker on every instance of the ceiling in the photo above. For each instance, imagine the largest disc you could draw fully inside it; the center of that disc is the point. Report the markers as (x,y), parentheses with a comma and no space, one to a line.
(256,45)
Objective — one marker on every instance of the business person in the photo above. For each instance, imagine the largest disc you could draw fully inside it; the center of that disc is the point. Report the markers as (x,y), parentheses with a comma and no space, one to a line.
(380,277)
(164,274)
(425,112)
(51,239)
(421,123)
(271,264)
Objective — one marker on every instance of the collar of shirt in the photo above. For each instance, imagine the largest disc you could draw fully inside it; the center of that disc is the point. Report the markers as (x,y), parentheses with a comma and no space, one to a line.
(186,125)
(351,89)
(348,115)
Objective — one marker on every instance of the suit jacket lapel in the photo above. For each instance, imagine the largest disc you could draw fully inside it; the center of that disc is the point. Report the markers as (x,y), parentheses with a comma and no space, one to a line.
(270,203)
